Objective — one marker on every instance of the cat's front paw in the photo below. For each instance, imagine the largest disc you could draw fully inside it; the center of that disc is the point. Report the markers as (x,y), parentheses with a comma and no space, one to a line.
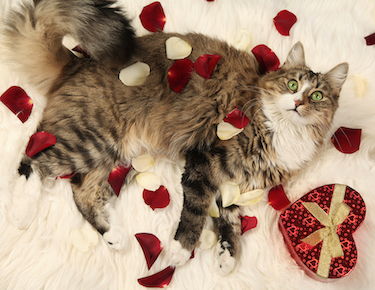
(116,237)
(224,263)
(179,255)
(26,194)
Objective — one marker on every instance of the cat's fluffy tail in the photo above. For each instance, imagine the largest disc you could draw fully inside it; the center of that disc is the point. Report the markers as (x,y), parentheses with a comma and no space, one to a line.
(32,36)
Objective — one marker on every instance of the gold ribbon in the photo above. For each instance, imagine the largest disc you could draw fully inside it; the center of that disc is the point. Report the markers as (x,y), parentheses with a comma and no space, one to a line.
(331,247)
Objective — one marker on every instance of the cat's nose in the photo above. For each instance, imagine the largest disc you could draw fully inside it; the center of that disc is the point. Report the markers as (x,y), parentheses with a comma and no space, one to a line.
(298,103)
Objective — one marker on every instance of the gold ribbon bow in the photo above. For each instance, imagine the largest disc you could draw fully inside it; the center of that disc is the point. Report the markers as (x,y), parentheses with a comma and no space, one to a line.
(331,247)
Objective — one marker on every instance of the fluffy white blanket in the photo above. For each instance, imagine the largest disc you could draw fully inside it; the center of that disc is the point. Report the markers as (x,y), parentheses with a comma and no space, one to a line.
(44,257)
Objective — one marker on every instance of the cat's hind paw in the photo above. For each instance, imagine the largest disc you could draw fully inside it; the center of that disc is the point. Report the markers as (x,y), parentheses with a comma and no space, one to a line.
(116,237)
(179,255)
(224,263)
(26,194)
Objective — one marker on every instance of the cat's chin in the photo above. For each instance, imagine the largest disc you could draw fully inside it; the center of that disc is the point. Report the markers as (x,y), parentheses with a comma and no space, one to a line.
(296,118)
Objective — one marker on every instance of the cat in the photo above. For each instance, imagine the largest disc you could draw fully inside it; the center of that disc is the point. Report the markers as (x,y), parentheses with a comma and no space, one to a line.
(99,122)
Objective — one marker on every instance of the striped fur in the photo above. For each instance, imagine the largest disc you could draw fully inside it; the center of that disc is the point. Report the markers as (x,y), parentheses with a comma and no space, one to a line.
(98,122)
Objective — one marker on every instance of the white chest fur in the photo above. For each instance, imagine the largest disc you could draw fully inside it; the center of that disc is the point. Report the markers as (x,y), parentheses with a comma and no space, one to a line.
(292,141)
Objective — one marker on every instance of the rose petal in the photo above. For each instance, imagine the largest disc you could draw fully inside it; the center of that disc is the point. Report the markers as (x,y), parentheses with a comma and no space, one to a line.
(73,45)
(151,247)
(360,84)
(84,238)
(160,279)
(268,61)
(370,40)
(250,197)
(277,197)
(248,223)
(16,99)
(207,239)
(180,74)
(67,176)
(79,50)
(205,65)
(214,209)
(243,39)
(347,140)
(284,21)
(135,74)
(143,162)
(149,180)
(38,142)
(177,48)
(157,199)
(225,131)
(237,118)
(230,193)
(117,177)
(152,17)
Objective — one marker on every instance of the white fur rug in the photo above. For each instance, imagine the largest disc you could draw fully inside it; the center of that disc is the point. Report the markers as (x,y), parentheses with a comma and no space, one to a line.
(43,256)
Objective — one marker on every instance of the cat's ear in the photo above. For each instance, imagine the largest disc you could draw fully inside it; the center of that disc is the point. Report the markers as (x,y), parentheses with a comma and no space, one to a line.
(337,75)
(296,56)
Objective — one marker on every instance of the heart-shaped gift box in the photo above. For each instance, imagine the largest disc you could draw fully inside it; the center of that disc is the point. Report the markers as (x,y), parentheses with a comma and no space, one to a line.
(318,230)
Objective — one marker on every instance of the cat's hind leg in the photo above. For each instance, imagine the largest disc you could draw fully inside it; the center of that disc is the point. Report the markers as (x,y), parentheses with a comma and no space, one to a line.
(94,198)
(229,227)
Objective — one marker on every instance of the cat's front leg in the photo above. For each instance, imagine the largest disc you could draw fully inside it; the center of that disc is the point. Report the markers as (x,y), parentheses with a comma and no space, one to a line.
(199,189)
(229,227)
(94,196)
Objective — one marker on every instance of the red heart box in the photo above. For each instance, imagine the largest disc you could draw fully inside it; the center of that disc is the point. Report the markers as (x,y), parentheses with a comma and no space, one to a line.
(318,230)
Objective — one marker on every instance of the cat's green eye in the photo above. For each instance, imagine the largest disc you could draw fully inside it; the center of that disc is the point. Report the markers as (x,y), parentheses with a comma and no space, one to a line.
(293,85)
(316,96)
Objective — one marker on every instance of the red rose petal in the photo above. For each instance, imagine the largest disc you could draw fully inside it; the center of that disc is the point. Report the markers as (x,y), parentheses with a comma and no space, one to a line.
(16,99)
(153,17)
(370,40)
(179,74)
(284,21)
(38,142)
(268,61)
(205,64)
(151,247)
(248,223)
(156,199)
(117,177)
(192,254)
(79,49)
(159,280)
(277,198)
(237,118)
(67,176)
(347,140)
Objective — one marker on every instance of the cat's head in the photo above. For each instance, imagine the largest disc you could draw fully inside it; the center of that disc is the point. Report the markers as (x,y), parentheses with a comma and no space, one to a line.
(297,94)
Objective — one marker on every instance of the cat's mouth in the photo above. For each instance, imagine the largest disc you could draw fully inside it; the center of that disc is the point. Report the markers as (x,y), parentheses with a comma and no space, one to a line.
(294,110)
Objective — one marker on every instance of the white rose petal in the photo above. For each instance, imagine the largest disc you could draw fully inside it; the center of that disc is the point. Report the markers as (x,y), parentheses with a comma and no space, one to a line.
(149,180)
(207,239)
(177,48)
(250,197)
(84,238)
(135,74)
(230,193)
(225,130)
(360,84)
(143,162)
(243,39)
(70,43)
(214,209)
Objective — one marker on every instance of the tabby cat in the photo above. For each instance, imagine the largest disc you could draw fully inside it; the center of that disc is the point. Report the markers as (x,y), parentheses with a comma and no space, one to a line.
(99,122)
